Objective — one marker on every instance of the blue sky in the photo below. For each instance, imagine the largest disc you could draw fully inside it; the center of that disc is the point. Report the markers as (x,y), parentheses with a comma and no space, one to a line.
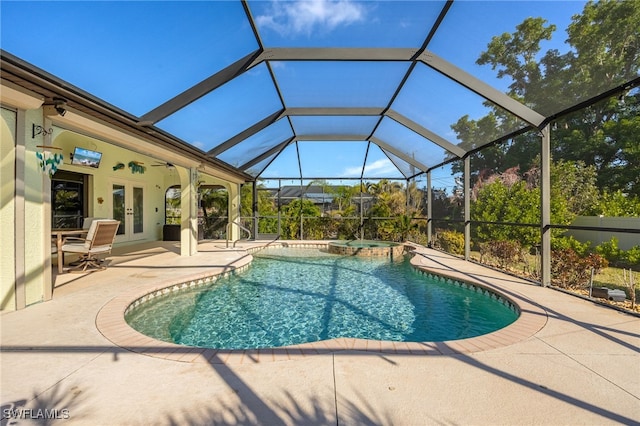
(137,55)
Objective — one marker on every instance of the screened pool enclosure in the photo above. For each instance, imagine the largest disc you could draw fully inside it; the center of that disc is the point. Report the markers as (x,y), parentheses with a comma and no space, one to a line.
(493,130)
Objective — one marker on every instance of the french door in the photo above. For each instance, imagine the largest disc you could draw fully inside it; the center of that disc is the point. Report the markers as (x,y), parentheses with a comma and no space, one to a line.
(128,207)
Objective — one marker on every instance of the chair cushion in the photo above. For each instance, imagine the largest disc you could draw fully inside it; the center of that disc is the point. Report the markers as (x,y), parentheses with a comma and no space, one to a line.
(80,248)
(74,247)
(101,249)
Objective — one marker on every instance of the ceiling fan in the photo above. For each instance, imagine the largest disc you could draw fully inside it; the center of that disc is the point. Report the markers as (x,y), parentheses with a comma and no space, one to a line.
(162,163)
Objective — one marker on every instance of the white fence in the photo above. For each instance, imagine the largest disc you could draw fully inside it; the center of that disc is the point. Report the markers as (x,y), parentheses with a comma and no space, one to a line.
(625,240)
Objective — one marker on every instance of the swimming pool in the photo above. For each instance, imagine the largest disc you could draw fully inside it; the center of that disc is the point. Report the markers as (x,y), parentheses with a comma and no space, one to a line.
(291,296)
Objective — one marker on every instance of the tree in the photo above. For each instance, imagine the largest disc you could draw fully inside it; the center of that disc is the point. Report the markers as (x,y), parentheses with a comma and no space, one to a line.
(574,183)
(417,199)
(383,186)
(215,209)
(514,55)
(216,201)
(343,194)
(604,52)
(606,45)
(607,137)
(294,211)
(402,227)
(499,202)
(616,204)
(267,210)
(510,198)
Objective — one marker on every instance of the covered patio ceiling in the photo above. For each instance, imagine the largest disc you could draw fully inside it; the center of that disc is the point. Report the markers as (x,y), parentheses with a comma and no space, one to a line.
(301,90)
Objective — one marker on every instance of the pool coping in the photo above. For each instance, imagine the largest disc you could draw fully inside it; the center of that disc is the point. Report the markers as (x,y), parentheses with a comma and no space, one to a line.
(112,325)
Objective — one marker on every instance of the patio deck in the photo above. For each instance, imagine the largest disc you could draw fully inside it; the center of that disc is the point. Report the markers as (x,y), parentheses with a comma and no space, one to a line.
(580,364)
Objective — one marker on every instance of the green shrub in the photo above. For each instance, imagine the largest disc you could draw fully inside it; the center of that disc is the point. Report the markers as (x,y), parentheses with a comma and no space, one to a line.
(568,242)
(348,229)
(609,250)
(631,257)
(451,241)
(617,204)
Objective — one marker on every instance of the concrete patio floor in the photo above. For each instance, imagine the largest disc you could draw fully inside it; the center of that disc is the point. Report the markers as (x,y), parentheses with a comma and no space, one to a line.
(580,364)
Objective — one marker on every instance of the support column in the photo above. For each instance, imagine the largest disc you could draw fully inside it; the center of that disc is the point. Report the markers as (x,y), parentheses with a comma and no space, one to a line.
(279,203)
(300,199)
(545,206)
(361,213)
(46,205)
(407,197)
(467,208)
(429,209)
(8,225)
(19,208)
(189,212)
(255,209)
(33,238)
(234,211)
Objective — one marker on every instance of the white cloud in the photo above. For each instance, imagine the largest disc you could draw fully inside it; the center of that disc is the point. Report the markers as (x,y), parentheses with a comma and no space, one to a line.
(199,145)
(384,165)
(278,65)
(352,171)
(310,16)
(380,167)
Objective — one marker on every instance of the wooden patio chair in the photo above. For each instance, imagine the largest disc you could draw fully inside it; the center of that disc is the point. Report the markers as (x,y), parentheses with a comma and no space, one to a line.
(99,241)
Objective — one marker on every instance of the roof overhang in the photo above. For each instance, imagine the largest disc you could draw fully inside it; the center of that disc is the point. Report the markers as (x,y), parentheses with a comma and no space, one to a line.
(86,110)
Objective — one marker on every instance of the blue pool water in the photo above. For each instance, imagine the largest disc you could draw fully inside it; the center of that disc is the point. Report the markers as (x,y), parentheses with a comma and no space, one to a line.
(292,296)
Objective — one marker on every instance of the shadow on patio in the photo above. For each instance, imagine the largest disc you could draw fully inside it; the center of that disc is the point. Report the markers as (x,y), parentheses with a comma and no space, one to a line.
(581,367)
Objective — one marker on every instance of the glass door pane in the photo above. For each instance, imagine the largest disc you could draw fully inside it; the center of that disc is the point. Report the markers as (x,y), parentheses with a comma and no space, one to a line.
(138,212)
(67,204)
(119,207)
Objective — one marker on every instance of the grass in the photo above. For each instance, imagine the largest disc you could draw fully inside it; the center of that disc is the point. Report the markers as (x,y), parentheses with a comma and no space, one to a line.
(610,277)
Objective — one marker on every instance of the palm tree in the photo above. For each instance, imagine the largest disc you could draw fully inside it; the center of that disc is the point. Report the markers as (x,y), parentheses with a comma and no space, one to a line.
(214,203)
(403,226)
